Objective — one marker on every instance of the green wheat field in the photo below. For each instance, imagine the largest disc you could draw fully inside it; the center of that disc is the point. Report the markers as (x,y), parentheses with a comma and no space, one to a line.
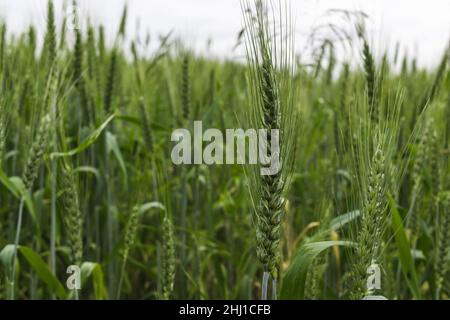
(87,178)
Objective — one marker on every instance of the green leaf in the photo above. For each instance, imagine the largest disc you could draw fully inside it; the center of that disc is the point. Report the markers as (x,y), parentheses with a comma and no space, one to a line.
(112,145)
(343,219)
(6,257)
(130,119)
(293,285)
(26,196)
(43,272)
(16,186)
(10,185)
(138,122)
(88,169)
(94,270)
(151,205)
(99,285)
(404,250)
(86,143)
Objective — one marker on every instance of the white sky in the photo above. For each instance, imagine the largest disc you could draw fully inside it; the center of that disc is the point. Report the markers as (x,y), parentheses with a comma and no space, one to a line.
(422,27)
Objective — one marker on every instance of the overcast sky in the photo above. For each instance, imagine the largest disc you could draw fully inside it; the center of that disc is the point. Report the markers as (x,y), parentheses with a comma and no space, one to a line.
(422,27)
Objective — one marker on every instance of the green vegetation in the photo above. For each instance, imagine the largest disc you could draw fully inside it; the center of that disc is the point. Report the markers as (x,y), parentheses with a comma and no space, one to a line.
(87,178)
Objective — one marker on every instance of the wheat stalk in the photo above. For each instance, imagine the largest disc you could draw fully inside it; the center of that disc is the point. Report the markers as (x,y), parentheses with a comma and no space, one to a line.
(50,36)
(72,217)
(30,174)
(168,258)
(185,88)
(373,220)
(130,236)
(272,109)
(443,245)
(370,73)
